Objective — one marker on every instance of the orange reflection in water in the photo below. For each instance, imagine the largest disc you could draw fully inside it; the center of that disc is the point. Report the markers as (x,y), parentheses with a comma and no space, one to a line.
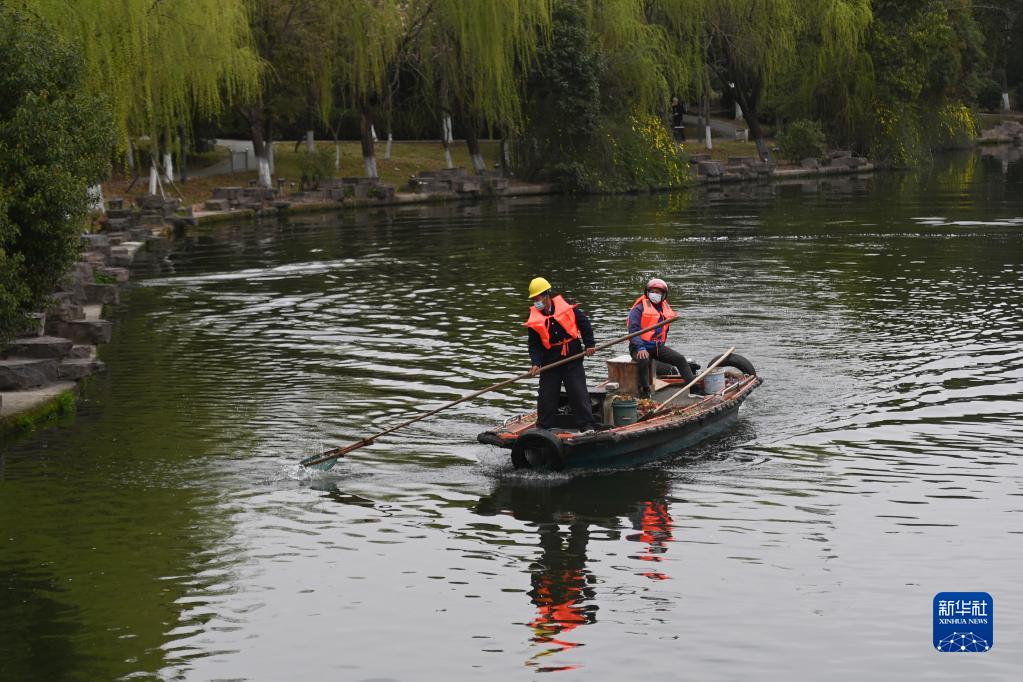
(561,593)
(654,523)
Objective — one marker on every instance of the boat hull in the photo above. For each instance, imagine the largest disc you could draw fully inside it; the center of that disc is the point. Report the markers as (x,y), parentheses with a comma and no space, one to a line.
(661,436)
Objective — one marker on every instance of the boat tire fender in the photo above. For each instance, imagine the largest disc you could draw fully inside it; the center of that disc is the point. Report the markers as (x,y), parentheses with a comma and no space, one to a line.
(738,362)
(538,449)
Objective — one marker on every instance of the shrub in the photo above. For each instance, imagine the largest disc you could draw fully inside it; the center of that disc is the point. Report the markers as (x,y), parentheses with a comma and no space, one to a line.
(55,141)
(896,139)
(803,139)
(989,95)
(953,127)
(316,167)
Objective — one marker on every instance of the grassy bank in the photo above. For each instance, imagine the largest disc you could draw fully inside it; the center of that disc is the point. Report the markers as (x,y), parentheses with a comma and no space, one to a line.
(408,158)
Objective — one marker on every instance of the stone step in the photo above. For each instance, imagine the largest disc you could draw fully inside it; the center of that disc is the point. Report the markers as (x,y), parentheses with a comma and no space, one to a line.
(95,242)
(92,332)
(102,293)
(39,347)
(35,325)
(123,254)
(119,275)
(73,370)
(20,373)
(80,352)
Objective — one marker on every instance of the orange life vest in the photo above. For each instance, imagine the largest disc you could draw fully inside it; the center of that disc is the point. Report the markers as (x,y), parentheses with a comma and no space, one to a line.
(651,317)
(564,314)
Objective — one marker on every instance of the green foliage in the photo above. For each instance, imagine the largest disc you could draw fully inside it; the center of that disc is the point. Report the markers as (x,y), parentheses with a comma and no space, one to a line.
(951,127)
(590,125)
(23,424)
(564,88)
(472,53)
(160,62)
(802,140)
(896,139)
(926,55)
(831,78)
(54,142)
(316,167)
(66,403)
(989,94)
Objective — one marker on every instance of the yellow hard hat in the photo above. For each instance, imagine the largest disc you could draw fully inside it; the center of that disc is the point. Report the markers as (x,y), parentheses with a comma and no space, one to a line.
(537,286)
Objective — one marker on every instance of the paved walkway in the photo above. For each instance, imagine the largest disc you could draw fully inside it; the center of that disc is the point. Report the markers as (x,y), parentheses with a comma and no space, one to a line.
(719,127)
(224,167)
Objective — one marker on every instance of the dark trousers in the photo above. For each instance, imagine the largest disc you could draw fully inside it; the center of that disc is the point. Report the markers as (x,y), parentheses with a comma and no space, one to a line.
(663,354)
(573,375)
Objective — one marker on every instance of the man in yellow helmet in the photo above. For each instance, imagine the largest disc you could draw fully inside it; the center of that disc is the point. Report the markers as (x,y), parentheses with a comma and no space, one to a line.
(558,329)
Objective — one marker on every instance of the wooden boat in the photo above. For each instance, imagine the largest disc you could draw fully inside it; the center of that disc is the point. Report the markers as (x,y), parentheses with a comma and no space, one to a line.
(686,421)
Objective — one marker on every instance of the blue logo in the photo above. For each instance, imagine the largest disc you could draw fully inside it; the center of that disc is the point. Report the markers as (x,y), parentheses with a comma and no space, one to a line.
(964,622)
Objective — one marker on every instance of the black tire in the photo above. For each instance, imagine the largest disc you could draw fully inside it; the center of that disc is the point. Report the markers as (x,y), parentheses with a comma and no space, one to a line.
(738,362)
(538,449)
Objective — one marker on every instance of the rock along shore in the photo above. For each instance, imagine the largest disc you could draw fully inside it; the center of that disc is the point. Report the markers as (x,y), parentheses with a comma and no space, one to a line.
(40,370)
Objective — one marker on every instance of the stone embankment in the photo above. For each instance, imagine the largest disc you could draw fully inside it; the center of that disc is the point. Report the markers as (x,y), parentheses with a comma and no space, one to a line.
(1006,132)
(41,368)
(750,168)
(427,186)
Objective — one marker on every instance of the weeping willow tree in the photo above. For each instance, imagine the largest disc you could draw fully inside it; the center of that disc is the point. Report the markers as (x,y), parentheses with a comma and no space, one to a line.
(160,63)
(831,79)
(472,57)
(750,43)
(599,91)
(291,38)
(366,42)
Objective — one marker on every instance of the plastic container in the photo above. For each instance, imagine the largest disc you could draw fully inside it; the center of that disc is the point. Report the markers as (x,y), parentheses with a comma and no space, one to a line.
(624,412)
(714,382)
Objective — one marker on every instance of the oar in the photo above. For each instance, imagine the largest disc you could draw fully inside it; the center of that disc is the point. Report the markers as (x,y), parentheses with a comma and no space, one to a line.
(685,388)
(328,459)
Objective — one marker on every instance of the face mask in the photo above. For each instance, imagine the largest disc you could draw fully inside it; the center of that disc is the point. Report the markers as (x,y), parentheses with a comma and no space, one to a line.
(654,297)
(539,305)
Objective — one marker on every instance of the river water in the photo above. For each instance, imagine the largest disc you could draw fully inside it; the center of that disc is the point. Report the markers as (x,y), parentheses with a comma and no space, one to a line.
(166,531)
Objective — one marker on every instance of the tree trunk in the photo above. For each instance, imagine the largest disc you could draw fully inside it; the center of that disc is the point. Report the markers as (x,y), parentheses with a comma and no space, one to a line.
(705,108)
(259,130)
(473,143)
(154,176)
(130,156)
(259,149)
(369,159)
(749,108)
(96,198)
(168,157)
(1003,80)
(182,154)
(310,142)
(445,137)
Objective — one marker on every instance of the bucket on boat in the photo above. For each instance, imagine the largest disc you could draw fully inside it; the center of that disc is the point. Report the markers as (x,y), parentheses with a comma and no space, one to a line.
(624,412)
(714,382)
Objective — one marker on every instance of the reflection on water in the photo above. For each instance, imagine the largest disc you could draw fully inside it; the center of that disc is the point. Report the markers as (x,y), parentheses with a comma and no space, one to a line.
(562,586)
(167,532)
